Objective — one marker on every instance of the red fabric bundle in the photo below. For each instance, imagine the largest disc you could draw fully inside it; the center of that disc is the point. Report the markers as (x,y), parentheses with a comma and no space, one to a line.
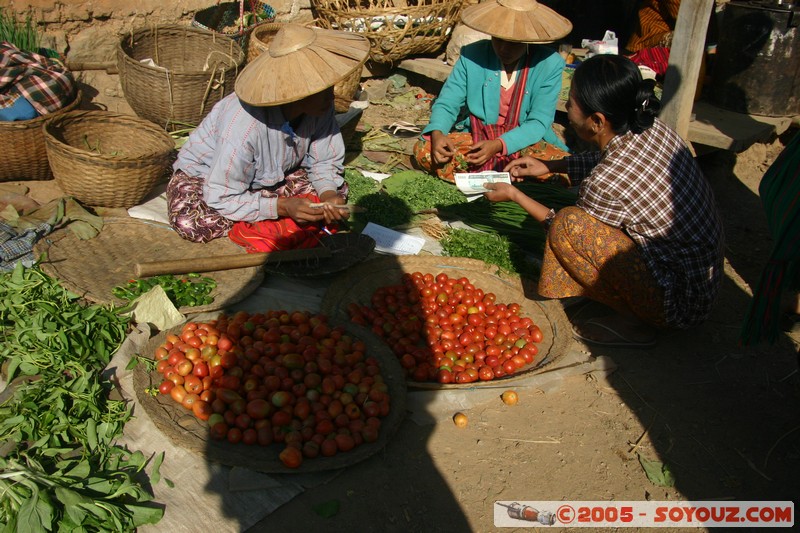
(273,235)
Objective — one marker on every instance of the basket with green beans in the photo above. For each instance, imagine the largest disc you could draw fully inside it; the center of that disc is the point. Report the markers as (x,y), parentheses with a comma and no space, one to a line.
(190,290)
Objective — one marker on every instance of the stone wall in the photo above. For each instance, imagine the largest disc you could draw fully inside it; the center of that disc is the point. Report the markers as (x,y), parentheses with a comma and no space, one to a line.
(87,31)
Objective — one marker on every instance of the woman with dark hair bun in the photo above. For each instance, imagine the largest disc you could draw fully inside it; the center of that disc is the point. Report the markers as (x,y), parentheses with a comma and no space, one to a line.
(644,237)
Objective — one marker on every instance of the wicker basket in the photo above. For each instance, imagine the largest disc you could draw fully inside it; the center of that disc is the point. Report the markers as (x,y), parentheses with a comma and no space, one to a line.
(343,92)
(106,159)
(196,69)
(222,18)
(25,155)
(395,29)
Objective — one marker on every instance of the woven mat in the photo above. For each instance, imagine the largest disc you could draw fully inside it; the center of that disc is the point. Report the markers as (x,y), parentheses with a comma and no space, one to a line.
(186,431)
(347,249)
(91,268)
(359,283)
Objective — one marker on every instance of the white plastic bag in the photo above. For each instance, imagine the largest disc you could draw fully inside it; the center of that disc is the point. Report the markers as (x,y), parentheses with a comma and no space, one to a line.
(608,45)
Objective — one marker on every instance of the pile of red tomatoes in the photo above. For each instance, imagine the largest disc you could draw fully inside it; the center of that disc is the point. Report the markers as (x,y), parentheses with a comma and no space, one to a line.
(446,330)
(276,377)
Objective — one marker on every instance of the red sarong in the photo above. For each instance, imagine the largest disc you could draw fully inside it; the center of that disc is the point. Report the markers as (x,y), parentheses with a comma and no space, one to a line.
(275,235)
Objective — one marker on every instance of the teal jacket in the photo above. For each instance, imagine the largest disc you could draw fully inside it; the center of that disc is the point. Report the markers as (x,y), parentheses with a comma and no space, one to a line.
(475,81)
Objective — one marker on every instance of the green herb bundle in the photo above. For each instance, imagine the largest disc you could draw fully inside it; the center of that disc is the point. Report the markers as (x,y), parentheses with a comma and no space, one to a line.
(59,466)
(490,248)
(508,218)
(23,35)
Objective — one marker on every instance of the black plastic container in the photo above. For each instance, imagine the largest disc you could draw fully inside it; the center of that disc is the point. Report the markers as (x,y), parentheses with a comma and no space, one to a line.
(757,66)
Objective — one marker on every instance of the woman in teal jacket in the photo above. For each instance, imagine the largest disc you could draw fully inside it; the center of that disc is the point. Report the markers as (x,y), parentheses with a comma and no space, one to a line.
(507,86)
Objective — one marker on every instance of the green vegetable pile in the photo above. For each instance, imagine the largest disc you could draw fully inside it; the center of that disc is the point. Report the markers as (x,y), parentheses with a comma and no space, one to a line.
(188,291)
(490,248)
(59,468)
(397,199)
(508,218)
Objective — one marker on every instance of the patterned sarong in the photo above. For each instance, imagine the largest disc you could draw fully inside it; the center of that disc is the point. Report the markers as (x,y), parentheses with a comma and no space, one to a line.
(195,221)
(584,257)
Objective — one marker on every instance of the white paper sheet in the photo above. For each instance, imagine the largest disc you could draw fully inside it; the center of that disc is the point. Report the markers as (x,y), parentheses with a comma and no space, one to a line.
(393,242)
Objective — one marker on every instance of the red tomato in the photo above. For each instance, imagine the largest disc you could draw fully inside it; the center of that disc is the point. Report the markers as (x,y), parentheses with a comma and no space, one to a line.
(166,386)
(202,410)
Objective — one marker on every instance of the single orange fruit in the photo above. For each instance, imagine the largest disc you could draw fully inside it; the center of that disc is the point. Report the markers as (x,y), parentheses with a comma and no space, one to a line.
(510,397)
(460,420)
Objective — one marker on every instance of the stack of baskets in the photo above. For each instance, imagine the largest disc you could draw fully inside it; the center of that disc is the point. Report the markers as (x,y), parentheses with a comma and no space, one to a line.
(396,29)
(227,18)
(25,155)
(193,70)
(343,92)
(107,159)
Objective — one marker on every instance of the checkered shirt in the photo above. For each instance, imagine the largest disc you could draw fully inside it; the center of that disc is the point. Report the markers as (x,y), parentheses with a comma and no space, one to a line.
(650,186)
(44,82)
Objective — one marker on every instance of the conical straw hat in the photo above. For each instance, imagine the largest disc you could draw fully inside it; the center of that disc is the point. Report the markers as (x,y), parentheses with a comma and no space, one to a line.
(525,21)
(301,61)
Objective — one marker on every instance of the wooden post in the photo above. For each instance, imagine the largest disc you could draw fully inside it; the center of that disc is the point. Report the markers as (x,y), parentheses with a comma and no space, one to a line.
(685,57)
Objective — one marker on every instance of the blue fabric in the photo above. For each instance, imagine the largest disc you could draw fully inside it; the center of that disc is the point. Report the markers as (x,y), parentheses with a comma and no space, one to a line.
(16,246)
(475,82)
(21,109)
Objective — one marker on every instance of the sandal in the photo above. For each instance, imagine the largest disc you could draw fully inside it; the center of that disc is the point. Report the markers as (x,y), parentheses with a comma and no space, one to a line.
(403,130)
(615,339)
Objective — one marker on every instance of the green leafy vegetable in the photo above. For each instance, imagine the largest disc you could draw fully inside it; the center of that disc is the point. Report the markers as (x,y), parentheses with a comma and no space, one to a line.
(421,191)
(489,248)
(190,290)
(60,469)
(508,218)
(23,35)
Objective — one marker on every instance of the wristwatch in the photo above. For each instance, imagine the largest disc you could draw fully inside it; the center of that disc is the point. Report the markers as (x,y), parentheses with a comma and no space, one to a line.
(548,219)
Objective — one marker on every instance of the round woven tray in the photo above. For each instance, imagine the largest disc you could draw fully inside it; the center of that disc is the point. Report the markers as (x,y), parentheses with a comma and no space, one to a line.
(93,267)
(190,433)
(347,249)
(359,283)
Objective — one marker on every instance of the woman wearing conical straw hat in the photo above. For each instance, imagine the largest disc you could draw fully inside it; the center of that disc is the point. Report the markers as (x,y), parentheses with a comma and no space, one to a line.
(508,87)
(266,152)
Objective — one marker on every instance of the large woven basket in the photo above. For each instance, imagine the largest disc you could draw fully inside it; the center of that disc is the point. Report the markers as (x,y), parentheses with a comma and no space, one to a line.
(222,18)
(25,155)
(343,92)
(106,159)
(395,29)
(195,70)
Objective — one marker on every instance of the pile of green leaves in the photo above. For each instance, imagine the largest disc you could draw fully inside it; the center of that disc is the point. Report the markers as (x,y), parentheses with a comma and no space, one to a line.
(421,191)
(508,218)
(59,467)
(490,248)
(397,199)
(190,290)
(23,35)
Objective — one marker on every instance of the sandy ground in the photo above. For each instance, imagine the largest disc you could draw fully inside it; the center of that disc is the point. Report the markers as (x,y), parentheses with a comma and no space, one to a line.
(724,418)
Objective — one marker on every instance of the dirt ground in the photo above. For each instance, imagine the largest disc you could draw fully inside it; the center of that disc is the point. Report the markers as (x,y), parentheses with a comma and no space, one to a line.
(725,419)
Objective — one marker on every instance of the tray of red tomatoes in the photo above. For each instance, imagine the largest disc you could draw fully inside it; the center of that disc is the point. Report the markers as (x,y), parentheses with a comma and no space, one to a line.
(275,392)
(451,322)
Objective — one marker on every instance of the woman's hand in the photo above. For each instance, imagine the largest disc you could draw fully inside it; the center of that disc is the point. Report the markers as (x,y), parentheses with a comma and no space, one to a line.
(500,192)
(526,166)
(329,211)
(442,148)
(299,210)
(483,151)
